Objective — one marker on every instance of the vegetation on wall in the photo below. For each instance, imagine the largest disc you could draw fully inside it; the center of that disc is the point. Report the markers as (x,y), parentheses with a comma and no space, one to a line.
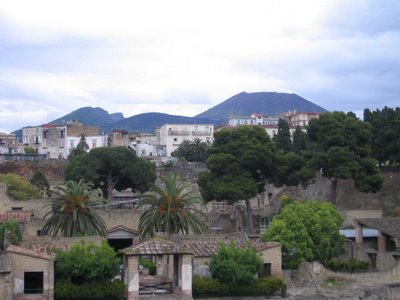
(10,233)
(18,188)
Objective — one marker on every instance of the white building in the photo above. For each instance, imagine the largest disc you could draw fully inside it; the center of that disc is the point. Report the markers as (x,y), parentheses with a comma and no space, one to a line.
(172,135)
(254,119)
(301,119)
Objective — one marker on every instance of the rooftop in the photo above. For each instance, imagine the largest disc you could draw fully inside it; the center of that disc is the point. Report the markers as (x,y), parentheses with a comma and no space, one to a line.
(388,225)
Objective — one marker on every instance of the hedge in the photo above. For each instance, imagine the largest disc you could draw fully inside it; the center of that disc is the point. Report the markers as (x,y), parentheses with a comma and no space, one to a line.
(211,287)
(66,290)
(352,265)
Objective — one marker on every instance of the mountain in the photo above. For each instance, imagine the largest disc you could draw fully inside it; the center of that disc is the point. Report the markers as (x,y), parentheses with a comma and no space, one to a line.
(147,122)
(266,103)
(90,116)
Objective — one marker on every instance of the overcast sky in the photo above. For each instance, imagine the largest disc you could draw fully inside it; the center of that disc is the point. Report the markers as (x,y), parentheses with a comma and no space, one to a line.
(183,57)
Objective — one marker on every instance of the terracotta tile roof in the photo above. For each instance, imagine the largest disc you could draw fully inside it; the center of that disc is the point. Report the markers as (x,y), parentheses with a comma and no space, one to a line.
(209,248)
(19,216)
(34,251)
(156,246)
(5,265)
(389,225)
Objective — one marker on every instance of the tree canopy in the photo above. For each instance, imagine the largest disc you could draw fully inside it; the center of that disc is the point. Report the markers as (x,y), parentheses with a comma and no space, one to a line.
(339,147)
(171,209)
(282,138)
(307,231)
(241,160)
(71,211)
(112,168)
(385,128)
(192,151)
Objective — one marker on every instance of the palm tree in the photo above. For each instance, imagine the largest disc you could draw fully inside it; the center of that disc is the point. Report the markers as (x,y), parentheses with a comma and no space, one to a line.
(170,209)
(72,212)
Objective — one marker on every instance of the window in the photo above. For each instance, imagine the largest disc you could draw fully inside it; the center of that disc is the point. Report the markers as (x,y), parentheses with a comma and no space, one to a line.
(33,282)
(175,139)
(45,134)
(94,143)
(71,144)
(61,133)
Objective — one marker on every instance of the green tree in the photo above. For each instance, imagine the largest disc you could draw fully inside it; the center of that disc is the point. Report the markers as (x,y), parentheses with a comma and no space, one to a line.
(385,142)
(191,151)
(72,211)
(112,168)
(307,231)
(282,138)
(170,208)
(299,140)
(87,262)
(240,162)
(80,149)
(235,266)
(10,232)
(39,180)
(340,149)
(18,188)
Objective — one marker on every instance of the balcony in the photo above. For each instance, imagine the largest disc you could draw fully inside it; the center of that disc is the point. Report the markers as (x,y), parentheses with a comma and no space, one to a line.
(178,132)
(201,133)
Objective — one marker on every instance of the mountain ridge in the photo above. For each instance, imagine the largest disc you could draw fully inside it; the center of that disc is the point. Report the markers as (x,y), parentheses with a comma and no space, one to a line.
(266,103)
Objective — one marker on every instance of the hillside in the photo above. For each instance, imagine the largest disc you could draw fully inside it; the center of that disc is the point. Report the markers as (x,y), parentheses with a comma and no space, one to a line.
(148,122)
(90,116)
(266,103)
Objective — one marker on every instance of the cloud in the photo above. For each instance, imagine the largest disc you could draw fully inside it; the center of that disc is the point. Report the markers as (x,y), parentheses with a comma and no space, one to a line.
(180,56)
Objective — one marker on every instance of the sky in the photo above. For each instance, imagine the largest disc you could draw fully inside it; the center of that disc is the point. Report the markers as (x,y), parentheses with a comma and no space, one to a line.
(184,57)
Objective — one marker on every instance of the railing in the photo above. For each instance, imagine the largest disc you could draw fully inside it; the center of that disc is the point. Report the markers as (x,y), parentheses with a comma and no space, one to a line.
(178,132)
(201,132)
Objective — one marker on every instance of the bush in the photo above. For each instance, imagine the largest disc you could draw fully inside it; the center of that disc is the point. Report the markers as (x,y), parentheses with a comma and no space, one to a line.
(236,266)
(146,263)
(66,290)
(352,265)
(87,262)
(211,287)
(18,188)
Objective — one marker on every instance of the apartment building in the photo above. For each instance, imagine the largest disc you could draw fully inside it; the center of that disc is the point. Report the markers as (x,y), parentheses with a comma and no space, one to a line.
(172,135)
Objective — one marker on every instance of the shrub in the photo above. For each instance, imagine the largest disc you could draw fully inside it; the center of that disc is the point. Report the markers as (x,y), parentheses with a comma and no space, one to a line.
(352,265)
(87,262)
(269,285)
(209,287)
(65,290)
(18,188)
(14,234)
(29,150)
(40,181)
(233,265)
(146,263)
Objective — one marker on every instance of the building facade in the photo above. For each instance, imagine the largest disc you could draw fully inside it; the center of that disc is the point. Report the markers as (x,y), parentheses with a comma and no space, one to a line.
(172,135)
(57,141)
